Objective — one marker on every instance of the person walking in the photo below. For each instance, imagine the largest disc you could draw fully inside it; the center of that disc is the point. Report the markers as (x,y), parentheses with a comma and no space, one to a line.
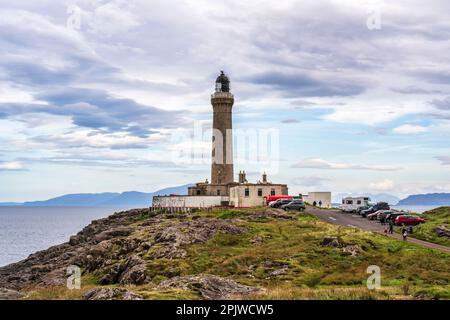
(320,203)
(405,233)
(391,226)
(314,204)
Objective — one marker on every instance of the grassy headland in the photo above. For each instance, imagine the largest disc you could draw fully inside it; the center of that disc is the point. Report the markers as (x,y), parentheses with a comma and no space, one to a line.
(288,257)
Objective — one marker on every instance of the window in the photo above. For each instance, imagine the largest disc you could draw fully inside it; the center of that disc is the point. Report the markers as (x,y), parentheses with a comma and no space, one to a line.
(358,202)
(272,192)
(218,192)
(349,201)
(247,192)
(198,192)
(260,192)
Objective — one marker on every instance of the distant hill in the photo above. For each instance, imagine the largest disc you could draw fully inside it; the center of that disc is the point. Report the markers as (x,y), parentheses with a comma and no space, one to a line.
(379,197)
(434,199)
(130,199)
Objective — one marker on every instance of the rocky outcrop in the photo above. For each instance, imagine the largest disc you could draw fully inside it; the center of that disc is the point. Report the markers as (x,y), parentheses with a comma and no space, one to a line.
(111,294)
(117,249)
(271,213)
(331,242)
(442,231)
(348,249)
(210,287)
(7,294)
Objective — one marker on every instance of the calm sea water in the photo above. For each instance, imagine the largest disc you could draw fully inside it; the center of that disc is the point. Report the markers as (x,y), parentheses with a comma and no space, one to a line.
(415,209)
(25,230)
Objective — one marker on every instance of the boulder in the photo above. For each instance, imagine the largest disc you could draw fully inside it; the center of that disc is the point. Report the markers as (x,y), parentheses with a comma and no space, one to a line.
(111,294)
(210,287)
(442,231)
(351,250)
(8,294)
(331,242)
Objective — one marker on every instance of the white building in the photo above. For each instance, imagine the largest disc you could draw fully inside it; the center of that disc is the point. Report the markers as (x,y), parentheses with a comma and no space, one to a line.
(318,197)
(253,194)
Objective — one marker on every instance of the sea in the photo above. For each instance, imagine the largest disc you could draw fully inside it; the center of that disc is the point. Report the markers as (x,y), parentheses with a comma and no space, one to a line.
(25,230)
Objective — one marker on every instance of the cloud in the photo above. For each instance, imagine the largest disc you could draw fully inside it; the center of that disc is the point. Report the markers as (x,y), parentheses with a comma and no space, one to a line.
(445,160)
(318,163)
(96,109)
(410,129)
(315,181)
(287,121)
(10,166)
(442,104)
(300,84)
(415,90)
(384,185)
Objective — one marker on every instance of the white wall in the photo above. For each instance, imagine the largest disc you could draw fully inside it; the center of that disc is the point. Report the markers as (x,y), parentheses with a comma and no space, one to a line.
(325,197)
(188,201)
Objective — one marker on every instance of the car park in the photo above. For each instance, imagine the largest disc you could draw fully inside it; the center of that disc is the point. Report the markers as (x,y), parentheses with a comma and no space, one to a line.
(296,205)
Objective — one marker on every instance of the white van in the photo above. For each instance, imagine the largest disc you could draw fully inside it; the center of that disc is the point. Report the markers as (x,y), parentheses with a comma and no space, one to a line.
(351,204)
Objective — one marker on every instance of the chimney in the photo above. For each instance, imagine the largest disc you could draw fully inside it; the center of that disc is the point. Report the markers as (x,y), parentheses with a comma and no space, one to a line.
(242,178)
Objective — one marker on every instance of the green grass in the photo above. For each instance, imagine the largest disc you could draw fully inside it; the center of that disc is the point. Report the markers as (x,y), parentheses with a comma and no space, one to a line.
(436,217)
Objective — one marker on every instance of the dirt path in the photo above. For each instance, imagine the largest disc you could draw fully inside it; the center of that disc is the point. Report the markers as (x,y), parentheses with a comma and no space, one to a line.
(355,221)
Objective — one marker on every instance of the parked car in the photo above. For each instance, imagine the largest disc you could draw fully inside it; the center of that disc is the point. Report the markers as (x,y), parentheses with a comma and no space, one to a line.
(296,205)
(392,216)
(358,211)
(375,208)
(382,215)
(408,220)
(374,215)
(280,202)
(272,199)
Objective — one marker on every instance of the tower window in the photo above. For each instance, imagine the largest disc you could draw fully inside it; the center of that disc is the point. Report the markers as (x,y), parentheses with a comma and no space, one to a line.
(260,192)
(272,192)
(247,192)
(218,192)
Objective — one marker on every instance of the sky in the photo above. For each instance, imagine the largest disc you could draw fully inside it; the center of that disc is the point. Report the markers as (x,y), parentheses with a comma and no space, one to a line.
(102,96)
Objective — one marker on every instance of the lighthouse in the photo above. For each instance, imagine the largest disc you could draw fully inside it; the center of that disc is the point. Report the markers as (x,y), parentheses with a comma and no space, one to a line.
(222,138)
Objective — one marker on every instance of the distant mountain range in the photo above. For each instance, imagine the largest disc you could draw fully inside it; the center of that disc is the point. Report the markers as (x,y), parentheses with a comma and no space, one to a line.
(379,197)
(435,199)
(131,199)
(134,199)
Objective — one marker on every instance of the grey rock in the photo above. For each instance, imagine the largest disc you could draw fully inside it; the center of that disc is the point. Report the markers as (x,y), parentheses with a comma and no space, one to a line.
(111,294)
(210,287)
(8,294)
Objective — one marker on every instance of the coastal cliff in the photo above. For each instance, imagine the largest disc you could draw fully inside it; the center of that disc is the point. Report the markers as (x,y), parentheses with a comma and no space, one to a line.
(258,253)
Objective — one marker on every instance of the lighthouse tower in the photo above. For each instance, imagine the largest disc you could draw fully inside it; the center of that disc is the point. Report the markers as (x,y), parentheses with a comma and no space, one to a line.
(222,141)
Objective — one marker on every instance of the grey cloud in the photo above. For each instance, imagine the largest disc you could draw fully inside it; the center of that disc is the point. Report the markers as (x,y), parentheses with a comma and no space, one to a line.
(287,121)
(298,84)
(443,104)
(415,90)
(97,109)
(445,160)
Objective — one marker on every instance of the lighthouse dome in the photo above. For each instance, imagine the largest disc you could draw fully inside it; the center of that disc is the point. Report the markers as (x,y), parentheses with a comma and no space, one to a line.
(222,83)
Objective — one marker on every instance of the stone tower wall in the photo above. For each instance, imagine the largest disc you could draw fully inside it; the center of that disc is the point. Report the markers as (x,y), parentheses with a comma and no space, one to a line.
(222,145)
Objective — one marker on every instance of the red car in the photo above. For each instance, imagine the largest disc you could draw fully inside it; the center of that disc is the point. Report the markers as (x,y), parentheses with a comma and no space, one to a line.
(408,220)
